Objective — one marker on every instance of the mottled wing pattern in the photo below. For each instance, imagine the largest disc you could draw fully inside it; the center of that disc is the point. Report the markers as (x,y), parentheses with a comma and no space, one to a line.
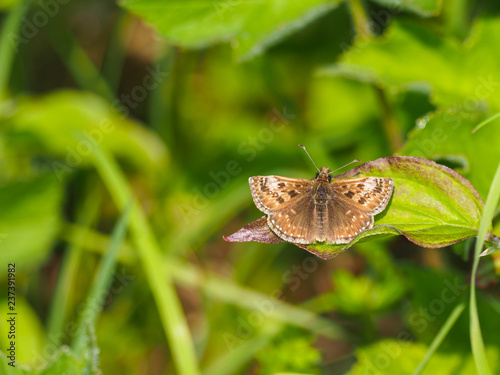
(273,193)
(296,222)
(368,194)
(343,221)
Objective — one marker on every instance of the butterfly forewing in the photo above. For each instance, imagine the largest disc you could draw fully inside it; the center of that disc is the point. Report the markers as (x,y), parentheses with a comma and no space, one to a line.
(273,193)
(368,194)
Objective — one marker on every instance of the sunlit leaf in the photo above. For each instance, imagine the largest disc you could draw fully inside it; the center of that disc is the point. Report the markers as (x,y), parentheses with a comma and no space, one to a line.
(423,8)
(30,207)
(388,357)
(201,23)
(70,125)
(446,136)
(453,73)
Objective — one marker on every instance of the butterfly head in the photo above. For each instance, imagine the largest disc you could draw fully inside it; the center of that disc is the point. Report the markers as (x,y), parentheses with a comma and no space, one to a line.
(324,174)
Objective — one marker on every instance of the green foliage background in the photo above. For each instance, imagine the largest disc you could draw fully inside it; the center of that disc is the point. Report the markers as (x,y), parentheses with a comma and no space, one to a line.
(154,114)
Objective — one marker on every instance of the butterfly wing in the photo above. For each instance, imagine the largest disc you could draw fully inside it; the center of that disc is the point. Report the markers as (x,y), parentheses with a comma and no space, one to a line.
(343,221)
(273,193)
(297,222)
(367,194)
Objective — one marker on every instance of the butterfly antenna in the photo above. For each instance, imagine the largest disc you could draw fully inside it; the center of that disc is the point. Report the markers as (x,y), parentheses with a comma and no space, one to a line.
(304,147)
(354,161)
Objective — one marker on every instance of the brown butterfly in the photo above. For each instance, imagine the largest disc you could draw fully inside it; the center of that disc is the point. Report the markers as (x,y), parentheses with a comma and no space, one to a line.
(320,210)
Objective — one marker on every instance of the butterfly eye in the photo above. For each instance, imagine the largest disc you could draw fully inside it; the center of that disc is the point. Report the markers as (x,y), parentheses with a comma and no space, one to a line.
(317,174)
(329,178)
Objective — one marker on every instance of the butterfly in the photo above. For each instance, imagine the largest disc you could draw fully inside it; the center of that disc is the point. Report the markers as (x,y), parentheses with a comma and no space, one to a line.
(320,210)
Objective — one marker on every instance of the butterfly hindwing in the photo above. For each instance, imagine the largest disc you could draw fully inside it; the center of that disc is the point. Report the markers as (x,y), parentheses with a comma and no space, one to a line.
(296,222)
(344,222)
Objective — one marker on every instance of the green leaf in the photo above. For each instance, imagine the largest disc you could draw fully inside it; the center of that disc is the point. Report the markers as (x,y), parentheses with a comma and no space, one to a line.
(32,207)
(63,361)
(363,295)
(454,73)
(28,347)
(66,362)
(70,124)
(447,135)
(276,358)
(424,8)
(432,206)
(7,369)
(250,26)
(388,357)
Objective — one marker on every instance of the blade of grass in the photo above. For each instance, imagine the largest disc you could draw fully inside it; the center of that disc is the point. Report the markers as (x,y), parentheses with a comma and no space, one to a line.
(220,288)
(59,306)
(455,314)
(8,35)
(163,99)
(227,291)
(160,282)
(485,122)
(477,343)
(102,283)
(76,60)
(114,57)
(238,357)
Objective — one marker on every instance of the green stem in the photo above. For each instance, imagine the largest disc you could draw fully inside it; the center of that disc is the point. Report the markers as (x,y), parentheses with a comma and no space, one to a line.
(237,357)
(360,18)
(114,58)
(9,42)
(78,63)
(391,127)
(457,18)
(160,282)
(100,287)
(477,343)
(162,103)
(65,280)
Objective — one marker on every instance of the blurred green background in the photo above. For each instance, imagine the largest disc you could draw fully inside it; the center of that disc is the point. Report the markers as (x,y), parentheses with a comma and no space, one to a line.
(168,107)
